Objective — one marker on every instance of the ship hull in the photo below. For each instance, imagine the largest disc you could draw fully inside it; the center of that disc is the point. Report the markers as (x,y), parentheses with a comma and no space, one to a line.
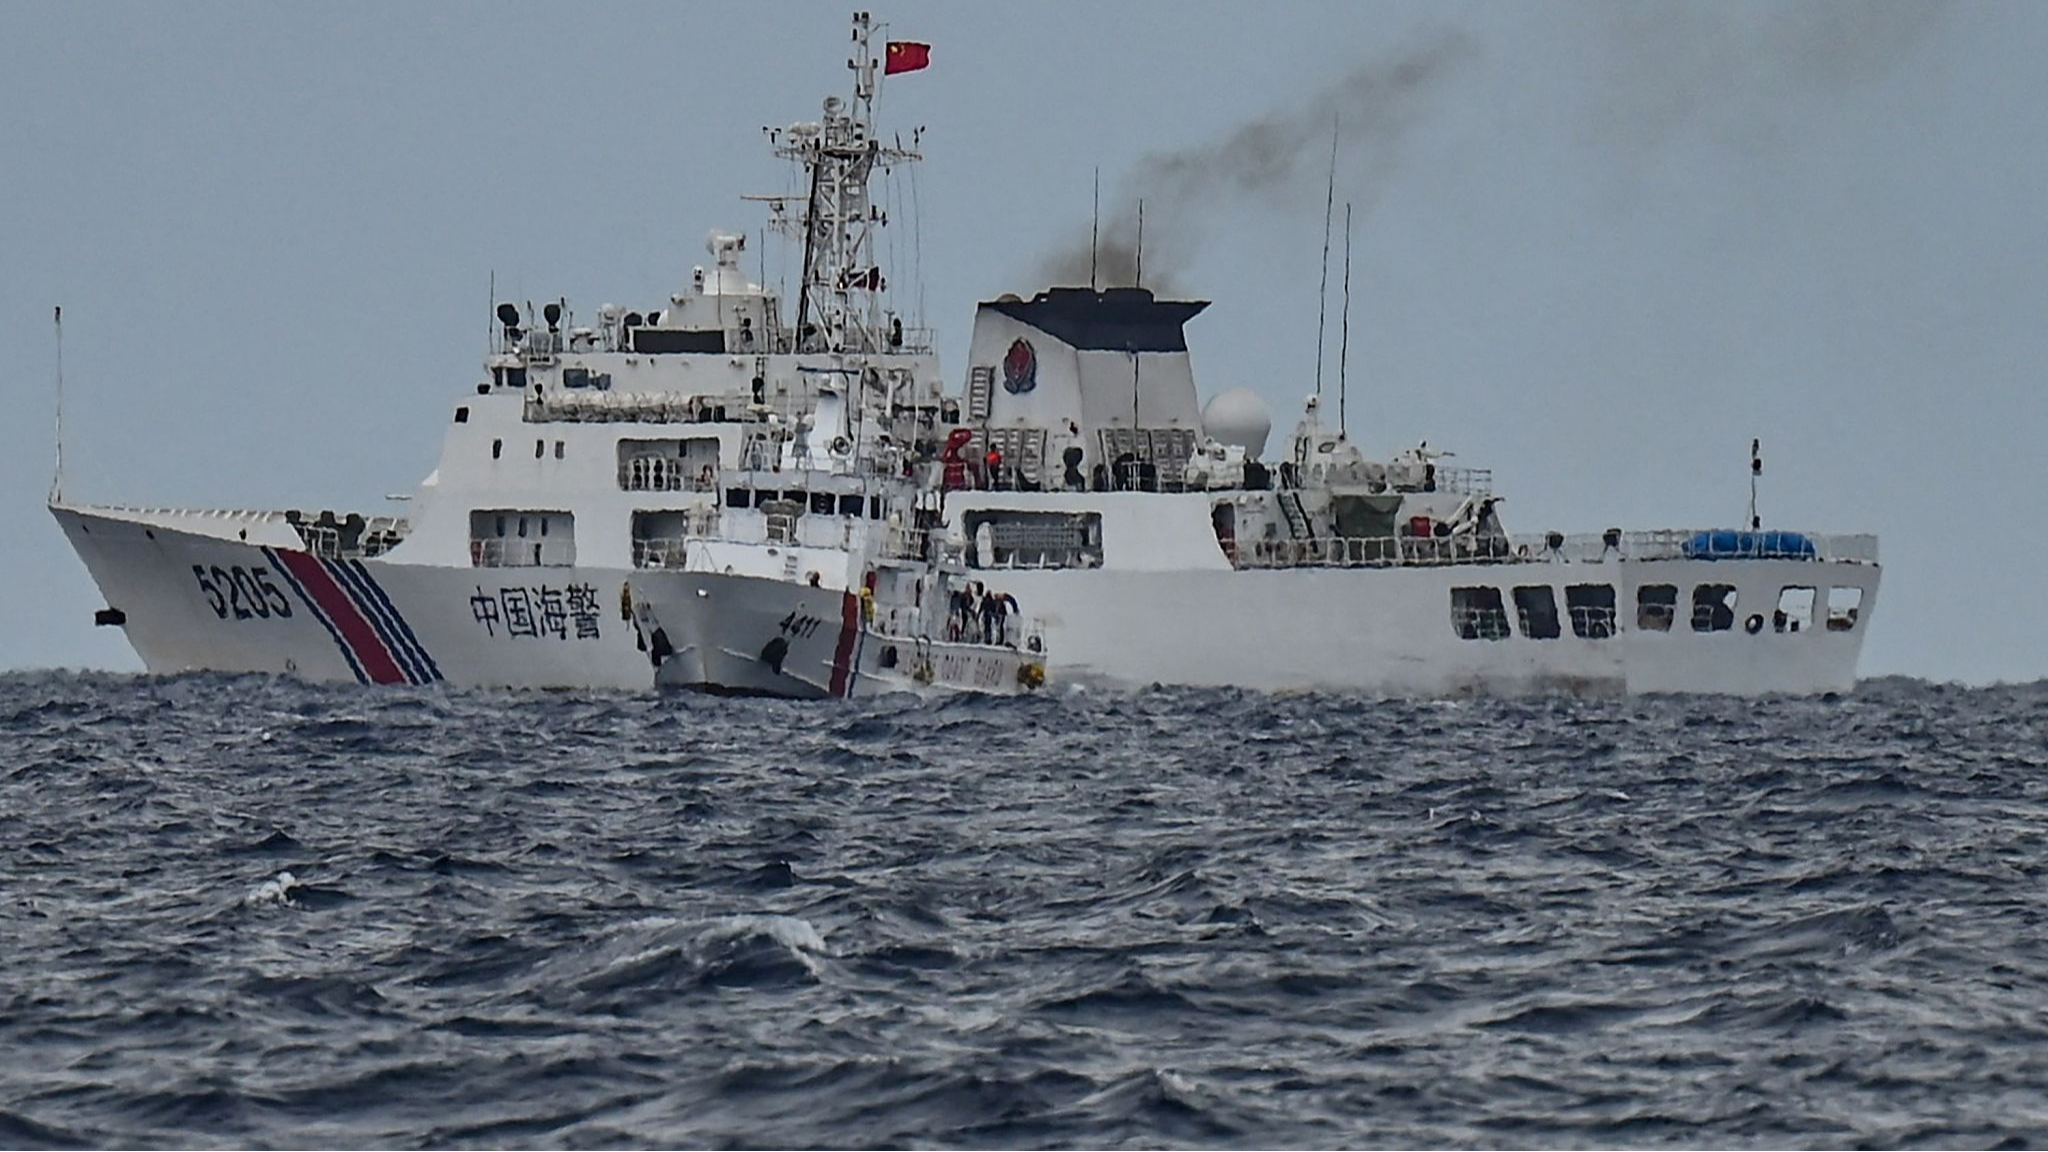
(200,596)
(1390,630)
(236,592)
(751,635)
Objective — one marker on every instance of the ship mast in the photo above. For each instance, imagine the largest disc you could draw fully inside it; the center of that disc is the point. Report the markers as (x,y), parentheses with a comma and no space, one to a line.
(839,306)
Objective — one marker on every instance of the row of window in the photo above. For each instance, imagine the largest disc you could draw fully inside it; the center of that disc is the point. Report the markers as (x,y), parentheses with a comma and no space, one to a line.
(1480,613)
(540,449)
(799,501)
(515,378)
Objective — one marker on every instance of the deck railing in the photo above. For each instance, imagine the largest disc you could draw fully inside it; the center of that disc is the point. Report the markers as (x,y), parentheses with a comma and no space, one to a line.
(673,551)
(1587,548)
(666,474)
(663,552)
(498,552)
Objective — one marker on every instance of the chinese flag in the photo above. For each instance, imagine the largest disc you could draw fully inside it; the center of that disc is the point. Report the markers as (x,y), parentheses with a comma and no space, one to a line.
(905,56)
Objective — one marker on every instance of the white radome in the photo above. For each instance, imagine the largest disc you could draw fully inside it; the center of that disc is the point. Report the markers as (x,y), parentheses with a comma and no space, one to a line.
(1239,417)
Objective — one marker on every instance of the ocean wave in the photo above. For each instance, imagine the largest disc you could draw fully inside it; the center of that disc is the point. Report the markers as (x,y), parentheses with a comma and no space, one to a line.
(246,910)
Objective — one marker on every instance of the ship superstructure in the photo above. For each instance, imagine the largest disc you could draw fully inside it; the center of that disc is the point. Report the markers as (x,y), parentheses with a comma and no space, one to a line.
(1159,546)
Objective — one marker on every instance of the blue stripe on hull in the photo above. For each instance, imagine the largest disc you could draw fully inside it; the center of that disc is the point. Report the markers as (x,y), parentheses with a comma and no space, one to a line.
(429,670)
(347,654)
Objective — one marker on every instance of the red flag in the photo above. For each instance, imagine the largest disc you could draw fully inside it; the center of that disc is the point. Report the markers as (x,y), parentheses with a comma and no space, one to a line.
(905,56)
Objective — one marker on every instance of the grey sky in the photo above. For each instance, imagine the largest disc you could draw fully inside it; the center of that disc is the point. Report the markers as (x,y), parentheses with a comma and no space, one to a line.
(1597,248)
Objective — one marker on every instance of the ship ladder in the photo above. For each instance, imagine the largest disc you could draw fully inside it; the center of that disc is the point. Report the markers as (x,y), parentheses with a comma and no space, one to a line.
(981,386)
(1297,516)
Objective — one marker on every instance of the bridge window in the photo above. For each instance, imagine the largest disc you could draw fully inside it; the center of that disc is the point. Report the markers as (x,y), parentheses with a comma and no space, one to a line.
(648,341)
(1478,614)
(1536,609)
(1795,610)
(1713,608)
(1844,602)
(1592,610)
(1656,607)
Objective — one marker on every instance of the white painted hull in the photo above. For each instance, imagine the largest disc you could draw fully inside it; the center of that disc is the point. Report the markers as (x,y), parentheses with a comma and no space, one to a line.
(1389,630)
(1375,630)
(762,636)
(281,610)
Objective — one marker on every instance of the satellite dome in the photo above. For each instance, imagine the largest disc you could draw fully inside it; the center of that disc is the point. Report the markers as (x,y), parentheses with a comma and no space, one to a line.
(1239,417)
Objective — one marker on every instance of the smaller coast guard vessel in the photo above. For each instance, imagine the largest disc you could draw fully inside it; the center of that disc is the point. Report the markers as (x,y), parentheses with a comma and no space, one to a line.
(821,577)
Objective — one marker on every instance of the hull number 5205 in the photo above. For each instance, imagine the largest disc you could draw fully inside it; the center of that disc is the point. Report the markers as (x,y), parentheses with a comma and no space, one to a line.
(242,592)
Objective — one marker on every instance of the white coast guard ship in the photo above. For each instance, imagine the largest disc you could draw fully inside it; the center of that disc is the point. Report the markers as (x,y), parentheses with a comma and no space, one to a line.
(590,450)
(821,578)
(1159,547)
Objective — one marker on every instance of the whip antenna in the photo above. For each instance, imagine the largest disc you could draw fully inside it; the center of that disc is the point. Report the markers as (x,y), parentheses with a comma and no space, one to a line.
(1323,292)
(1344,339)
(1095,230)
(1756,469)
(57,477)
(1139,279)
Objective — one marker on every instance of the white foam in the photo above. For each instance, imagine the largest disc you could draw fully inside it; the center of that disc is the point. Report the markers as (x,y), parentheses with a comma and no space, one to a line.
(796,934)
(276,890)
(791,932)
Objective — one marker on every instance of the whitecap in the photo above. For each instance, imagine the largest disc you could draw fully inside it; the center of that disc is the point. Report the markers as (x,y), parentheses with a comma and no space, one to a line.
(276,890)
(792,932)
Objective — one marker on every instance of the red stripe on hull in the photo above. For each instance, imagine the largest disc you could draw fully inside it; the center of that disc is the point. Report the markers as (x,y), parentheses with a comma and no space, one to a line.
(362,639)
(849,631)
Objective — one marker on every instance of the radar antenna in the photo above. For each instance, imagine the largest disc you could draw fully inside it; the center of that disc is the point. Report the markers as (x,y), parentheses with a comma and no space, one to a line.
(839,295)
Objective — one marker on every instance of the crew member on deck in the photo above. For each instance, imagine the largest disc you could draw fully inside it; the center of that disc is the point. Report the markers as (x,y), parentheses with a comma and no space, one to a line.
(992,613)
